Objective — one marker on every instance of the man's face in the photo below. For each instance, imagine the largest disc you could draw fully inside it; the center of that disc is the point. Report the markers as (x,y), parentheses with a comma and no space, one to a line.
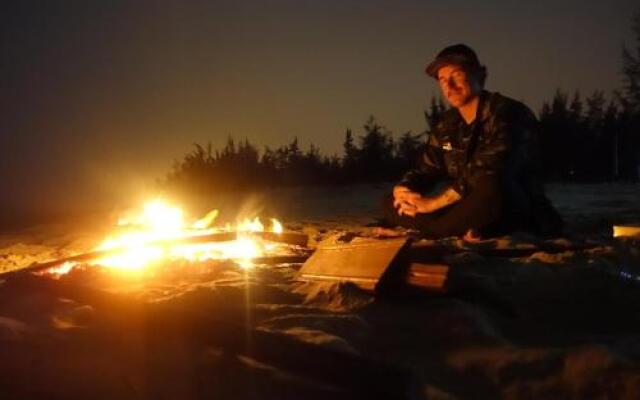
(457,85)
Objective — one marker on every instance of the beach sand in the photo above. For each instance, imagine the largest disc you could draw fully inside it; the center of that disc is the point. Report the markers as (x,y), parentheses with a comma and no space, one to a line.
(562,324)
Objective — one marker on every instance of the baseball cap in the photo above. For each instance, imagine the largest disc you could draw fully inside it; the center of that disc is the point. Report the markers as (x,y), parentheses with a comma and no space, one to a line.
(458,54)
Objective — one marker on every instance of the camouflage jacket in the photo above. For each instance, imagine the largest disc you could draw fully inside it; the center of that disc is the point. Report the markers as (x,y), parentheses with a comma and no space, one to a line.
(501,143)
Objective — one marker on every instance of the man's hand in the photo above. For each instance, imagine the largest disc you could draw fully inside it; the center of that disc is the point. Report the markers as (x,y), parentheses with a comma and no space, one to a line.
(410,203)
(418,205)
(402,194)
(403,198)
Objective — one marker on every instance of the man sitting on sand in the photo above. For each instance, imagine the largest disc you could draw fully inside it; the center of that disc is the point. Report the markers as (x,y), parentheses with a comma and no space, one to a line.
(484,157)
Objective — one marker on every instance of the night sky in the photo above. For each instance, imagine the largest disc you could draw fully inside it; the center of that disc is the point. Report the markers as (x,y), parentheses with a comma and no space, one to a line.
(99,97)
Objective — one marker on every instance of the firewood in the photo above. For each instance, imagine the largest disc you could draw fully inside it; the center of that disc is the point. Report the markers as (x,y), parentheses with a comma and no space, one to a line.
(292,238)
(288,238)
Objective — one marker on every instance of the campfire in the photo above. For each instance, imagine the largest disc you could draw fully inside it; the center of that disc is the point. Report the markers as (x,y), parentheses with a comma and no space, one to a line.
(159,233)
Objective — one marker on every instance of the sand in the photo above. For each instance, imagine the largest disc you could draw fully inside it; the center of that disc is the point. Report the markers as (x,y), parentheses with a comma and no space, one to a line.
(554,325)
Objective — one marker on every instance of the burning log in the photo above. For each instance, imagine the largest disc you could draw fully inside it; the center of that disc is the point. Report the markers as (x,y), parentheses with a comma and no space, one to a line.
(292,238)
(275,260)
(287,238)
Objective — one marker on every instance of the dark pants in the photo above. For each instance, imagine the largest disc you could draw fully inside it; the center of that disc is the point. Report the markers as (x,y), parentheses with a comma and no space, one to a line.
(481,209)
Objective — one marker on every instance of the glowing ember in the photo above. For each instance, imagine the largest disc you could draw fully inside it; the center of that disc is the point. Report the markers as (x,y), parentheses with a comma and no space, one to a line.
(207,221)
(62,268)
(153,235)
(250,226)
(276,226)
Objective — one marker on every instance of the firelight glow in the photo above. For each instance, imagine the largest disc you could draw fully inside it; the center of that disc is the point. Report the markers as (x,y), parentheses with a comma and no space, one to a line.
(136,246)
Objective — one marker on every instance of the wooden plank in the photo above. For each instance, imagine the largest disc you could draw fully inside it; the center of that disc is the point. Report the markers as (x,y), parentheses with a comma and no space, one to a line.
(626,231)
(364,263)
(428,276)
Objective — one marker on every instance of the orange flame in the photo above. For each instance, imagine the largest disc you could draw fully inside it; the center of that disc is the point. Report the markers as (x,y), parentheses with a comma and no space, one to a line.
(136,247)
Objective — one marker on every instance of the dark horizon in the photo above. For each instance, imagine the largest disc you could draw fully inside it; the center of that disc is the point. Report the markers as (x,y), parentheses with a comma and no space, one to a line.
(99,99)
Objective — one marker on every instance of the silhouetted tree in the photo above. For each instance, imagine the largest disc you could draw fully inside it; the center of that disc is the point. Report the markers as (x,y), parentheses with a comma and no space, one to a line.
(375,156)
(270,171)
(630,95)
(555,141)
(609,141)
(350,158)
(408,149)
(628,137)
(434,114)
(594,159)
(577,148)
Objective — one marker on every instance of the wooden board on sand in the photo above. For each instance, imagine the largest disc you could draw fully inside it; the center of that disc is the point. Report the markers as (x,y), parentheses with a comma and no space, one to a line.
(363,263)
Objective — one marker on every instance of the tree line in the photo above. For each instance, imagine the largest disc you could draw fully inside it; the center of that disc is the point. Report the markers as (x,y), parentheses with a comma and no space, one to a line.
(373,156)
(583,139)
(589,140)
